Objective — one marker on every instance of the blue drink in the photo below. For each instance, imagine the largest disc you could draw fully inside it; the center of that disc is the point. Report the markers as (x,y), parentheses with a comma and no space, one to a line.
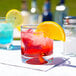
(6,33)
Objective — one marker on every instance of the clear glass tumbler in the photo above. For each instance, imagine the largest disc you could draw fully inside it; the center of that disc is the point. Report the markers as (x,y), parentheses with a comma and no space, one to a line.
(35,48)
(70,43)
(6,33)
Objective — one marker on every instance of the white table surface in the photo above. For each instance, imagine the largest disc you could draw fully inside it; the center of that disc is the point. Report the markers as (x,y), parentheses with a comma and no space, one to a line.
(11,65)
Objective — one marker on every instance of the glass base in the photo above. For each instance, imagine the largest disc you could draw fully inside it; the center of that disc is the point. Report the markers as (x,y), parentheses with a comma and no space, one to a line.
(6,46)
(37,60)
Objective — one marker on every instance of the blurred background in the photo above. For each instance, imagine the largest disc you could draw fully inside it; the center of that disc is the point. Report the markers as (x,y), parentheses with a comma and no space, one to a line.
(6,5)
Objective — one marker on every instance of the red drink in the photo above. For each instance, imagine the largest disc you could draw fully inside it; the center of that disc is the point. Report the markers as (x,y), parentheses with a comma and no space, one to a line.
(35,47)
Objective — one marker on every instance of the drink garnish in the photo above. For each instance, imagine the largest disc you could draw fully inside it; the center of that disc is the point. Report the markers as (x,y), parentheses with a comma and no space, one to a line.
(14,16)
(52,30)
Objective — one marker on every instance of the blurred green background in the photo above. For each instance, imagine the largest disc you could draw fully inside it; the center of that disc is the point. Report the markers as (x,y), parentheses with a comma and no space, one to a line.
(6,5)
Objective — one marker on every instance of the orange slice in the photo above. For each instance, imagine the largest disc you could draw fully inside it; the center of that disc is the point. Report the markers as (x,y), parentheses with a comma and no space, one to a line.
(52,30)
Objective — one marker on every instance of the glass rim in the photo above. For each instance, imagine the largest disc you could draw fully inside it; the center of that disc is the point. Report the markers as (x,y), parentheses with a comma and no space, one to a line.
(2,17)
(29,26)
(69,26)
